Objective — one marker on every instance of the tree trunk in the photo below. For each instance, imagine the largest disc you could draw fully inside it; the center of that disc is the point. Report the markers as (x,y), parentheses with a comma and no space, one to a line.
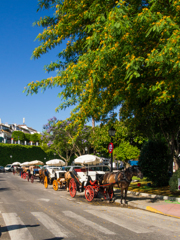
(93,123)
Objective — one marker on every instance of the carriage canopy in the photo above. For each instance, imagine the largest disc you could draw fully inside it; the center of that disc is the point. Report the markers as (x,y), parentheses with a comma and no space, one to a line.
(88,159)
(56,162)
(25,164)
(16,164)
(36,162)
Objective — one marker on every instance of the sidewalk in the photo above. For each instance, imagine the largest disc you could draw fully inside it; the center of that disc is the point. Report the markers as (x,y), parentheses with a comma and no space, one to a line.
(165,205)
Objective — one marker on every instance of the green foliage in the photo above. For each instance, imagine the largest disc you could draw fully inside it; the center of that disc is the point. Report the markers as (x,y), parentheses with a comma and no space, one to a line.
(100,139)
(36,137)
(21,153)
(125,151)
(17,134)
(27,137)
(154,161)
(173,182)
(57,137)
(119,53)
(124,140)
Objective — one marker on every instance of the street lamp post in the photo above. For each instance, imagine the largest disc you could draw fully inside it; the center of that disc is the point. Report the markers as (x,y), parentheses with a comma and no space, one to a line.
(86,150)
(11,158)
(112,132)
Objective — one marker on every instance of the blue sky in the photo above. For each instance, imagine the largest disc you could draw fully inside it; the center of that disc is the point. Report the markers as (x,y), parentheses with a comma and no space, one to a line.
(17,69)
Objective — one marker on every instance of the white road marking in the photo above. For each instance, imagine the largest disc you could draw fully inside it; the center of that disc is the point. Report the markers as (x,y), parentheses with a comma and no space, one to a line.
(50,224)
(87,222)
(16,228)
(122,222)
(43,199)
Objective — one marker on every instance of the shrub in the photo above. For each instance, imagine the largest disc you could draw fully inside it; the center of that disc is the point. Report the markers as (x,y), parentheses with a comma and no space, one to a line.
(36,137)
(27,137)
(154,161)
(173,182)
(18,135)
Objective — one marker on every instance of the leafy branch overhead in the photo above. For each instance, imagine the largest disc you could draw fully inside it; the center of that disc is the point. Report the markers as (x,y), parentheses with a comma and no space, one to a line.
(118,53)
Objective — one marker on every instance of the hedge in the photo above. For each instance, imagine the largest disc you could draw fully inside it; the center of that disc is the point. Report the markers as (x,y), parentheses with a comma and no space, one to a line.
(21,153)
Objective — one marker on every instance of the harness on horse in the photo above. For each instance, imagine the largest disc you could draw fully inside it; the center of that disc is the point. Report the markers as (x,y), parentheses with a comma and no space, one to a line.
(124,178)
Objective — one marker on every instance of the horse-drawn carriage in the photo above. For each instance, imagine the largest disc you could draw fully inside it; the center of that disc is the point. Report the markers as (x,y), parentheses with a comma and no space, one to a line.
(16,167)
(99,182)
(88,181)
(31,170)
(54,174)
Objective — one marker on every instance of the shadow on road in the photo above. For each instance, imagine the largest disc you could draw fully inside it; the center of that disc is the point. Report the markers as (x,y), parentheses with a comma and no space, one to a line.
(56,238)
(14,227)
(137,198)
(117,196)
(4,189)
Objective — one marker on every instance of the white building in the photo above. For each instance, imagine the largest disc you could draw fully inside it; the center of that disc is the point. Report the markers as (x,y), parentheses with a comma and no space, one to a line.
(6,130)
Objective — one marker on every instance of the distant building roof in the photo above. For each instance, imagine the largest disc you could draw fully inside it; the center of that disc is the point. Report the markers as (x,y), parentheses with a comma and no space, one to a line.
(24,126)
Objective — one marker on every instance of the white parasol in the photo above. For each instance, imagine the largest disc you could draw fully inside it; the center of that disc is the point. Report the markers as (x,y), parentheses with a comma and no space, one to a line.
(55,162)
(25,164)
(36,162)
(16,163)
(88,159)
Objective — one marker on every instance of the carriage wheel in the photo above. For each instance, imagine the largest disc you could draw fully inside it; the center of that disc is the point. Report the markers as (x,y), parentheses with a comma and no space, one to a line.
(46,182)
(72,187)
(96,190)
(21,174)
(24,175)
(108,195)
(111,194)
(32,179)
(55,185)
(89,193)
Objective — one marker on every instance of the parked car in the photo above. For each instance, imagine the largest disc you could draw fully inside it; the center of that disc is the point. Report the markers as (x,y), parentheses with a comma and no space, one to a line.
(8,168)
(2,169)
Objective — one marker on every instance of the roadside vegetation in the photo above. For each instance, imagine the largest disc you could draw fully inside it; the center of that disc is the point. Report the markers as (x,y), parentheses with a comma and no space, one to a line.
(145,186)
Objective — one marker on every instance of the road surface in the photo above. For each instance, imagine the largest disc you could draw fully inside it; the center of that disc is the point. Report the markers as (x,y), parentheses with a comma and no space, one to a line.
(28,211)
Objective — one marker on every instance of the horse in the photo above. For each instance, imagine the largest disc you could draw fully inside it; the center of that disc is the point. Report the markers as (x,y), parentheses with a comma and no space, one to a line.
(67,177)
(42,174)
(19,170)
(122,179)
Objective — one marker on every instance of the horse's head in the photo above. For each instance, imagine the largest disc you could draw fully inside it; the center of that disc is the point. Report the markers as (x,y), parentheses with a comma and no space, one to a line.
(137,172)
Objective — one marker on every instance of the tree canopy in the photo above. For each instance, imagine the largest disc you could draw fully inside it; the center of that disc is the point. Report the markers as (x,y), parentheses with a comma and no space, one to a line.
(59,139)
(127,144)
(119,53)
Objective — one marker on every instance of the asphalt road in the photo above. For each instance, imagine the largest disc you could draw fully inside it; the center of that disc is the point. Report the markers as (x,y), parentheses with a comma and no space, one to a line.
(29,211)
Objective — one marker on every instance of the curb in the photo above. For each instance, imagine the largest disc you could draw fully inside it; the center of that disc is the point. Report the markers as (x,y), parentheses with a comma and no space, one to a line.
(149,208)
(154,196)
